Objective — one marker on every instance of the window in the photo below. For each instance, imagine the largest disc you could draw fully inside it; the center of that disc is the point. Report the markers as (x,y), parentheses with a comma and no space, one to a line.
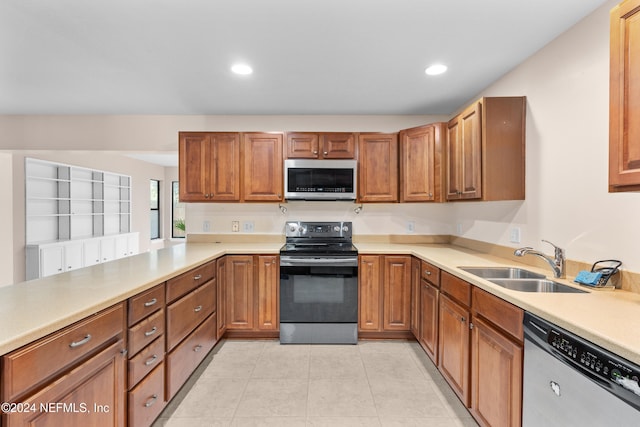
(177,212)
(155,209)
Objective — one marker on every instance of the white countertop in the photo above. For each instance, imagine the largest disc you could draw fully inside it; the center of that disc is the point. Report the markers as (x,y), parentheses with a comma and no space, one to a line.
(33,309)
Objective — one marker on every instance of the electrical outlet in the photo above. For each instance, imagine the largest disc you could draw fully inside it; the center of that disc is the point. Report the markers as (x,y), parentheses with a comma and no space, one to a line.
(206,226)
(235,226)
(411,227)
(514,237)
(247,226)
(459,228)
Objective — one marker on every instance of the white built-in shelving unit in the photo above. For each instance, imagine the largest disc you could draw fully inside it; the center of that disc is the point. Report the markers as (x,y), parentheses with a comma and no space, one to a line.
(75,214)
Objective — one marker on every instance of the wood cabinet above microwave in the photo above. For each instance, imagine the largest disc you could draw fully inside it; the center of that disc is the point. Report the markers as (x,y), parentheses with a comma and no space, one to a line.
(328,145)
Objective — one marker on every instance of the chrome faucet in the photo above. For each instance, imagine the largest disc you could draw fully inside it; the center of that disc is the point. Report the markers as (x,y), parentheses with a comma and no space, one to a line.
(557,263)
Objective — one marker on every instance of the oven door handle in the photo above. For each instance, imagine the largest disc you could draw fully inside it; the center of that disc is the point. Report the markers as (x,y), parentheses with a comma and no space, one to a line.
(288,261)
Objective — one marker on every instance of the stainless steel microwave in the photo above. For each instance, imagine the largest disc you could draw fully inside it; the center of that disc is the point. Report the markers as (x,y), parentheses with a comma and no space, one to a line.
(320,179)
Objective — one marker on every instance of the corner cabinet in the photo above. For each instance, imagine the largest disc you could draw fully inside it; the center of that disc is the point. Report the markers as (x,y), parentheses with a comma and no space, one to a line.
(624,101)
(377,167)
(422,163)
(485,149)
(209,166)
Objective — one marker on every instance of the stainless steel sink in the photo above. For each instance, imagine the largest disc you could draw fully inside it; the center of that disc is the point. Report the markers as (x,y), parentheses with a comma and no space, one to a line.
(535,285)
(518,279)
(502,273)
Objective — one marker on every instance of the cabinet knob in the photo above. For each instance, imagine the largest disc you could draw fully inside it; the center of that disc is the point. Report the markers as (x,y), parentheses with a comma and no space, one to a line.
(462,319)
(470,325)
(427,273)
(430,194)
(198,277)
(325,153)
(197,348)
(198,308)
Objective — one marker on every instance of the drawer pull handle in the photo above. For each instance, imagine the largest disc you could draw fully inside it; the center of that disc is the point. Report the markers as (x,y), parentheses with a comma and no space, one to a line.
(198,277)
(427,273)
(151,332)
(197,348)
(83,341)
(151,401)
(151,360)
(198,308)
(151,302)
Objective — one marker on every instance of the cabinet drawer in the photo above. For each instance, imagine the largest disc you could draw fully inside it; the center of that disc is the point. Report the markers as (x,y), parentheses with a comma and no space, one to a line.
(142,363)
(501,313)
(146,401)
(37,362)
(145,303)
(456,288)
(186,313)
(184,359)
(430,273)
(145,331)
(190,280)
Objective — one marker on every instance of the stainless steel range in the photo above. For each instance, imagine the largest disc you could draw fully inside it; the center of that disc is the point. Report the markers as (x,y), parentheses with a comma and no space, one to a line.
(318,284)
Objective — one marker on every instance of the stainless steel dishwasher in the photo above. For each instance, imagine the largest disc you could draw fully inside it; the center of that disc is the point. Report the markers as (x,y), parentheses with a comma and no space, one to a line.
(569,381)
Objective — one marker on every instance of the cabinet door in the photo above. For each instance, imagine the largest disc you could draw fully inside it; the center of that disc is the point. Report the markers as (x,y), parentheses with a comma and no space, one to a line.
(221,302)
(421,164)
(72,256)
(51,260)
(240,292)
(453,347)
(95,389)
(397,293)
(369,293)
(496,377)
(429,297)
(122,246)
(378,168)
(108,249)
(91,252)
(338,145)
(464,149)
(193,149)
(267,292)
(224,171)
(301,145)
(262,167)
(624,97)
(415,297)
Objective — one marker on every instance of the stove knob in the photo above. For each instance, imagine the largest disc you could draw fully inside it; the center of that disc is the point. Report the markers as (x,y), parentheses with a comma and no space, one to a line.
(345,228)
(336,228)
(292,227)
(303,230)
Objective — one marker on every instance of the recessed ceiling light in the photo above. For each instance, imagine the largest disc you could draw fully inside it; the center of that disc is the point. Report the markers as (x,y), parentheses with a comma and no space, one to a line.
(435,69)
(242,69)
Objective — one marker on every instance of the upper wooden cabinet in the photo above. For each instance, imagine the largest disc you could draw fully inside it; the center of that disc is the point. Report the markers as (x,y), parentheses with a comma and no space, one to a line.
(485,150)
(262,165)
(378,167)
(624,97)
(422,163)
(213,165)
(333,145)
(209,166)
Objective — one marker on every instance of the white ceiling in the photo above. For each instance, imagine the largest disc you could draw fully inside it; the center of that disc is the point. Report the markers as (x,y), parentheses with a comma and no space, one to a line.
(309,56)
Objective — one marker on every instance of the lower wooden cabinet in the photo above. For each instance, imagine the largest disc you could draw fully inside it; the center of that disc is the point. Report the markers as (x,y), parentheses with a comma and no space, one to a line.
(453,346)
(384,294)
(221,306)
(251,287)
(429,299)
(185,358)
(146,400)
(496,382)
(415,297)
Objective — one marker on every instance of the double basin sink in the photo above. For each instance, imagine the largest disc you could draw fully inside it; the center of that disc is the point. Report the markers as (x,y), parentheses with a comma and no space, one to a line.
(518,279)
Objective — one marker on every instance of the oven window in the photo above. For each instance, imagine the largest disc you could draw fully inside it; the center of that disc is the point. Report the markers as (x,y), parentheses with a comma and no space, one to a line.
(318,294)
(319,290)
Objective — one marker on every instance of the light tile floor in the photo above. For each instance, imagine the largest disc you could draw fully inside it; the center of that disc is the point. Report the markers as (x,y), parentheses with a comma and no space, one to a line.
(263,383)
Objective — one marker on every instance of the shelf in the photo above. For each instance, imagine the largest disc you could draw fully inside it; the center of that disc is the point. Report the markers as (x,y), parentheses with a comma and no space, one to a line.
(66,202)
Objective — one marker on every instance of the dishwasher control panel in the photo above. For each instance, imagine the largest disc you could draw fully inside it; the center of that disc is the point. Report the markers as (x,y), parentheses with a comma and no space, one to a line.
(590,358)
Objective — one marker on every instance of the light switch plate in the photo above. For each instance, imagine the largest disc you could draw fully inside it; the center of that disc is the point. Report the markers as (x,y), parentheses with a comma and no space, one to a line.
(514,236)
(206,226)
(247,226)
(411,226)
